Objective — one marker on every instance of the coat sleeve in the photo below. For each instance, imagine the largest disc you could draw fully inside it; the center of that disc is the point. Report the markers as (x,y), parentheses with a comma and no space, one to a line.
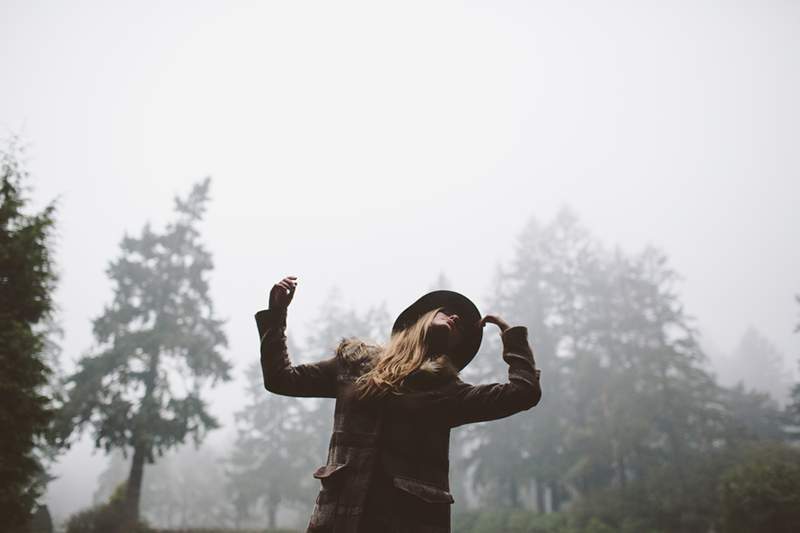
(280,376)
(461,403)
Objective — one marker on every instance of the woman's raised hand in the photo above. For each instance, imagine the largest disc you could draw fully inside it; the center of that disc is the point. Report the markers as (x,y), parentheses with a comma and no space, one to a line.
(281,294)
(494,319)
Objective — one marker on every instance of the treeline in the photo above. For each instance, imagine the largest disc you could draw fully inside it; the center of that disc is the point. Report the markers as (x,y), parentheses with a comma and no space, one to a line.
(633,432)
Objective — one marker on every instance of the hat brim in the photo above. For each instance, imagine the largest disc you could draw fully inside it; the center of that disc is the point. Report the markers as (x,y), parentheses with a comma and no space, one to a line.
(468,314)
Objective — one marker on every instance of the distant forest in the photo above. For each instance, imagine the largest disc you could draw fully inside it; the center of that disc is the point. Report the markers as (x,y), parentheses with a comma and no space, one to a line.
(635,431)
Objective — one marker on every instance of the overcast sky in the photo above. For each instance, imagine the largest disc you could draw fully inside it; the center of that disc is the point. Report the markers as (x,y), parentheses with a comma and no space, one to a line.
(371,146)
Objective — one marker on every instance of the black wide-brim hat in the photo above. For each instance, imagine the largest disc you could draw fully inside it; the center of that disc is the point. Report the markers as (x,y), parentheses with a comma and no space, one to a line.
(469,321)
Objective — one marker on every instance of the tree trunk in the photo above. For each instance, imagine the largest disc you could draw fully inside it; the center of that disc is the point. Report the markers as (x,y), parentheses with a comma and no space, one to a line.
(272,511)
(623,478)
(141,448)
(540,506)
(513,493)
(133,490)
(555,497)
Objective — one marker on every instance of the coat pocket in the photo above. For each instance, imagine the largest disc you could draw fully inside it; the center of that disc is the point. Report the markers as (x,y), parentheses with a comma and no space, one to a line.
(331,476)
(423,490)
(326,471)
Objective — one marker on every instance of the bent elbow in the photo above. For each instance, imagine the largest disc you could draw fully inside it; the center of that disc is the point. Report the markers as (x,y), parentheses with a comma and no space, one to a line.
(278,388)
(536,396)
(527,393)
(272,383)
(530,398)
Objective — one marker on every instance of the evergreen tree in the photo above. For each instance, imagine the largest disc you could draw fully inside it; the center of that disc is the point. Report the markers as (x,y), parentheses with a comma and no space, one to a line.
(442,282)
(158,344)
(524,455)
(624,391)
(27,281)
(751,415)
(655,413)
(758,364)
(271,461)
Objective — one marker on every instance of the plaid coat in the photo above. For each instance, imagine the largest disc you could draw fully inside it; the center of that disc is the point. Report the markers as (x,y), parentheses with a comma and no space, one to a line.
(388,467)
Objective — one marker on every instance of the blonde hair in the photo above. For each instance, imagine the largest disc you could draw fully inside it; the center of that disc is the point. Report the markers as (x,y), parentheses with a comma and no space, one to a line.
(403,354)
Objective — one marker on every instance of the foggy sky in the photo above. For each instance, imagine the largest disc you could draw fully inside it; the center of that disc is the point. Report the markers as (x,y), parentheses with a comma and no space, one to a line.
(371,146)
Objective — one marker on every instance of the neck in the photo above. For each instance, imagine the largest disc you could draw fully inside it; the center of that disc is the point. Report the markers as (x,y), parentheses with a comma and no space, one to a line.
(437,345)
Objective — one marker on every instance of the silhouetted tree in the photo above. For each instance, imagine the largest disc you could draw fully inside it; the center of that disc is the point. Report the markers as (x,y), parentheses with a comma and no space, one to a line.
(27,282)
(158,344)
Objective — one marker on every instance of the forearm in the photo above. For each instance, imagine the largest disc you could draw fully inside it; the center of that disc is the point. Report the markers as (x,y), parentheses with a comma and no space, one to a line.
(461,403)
(280,376)
(275,362)
(523,376)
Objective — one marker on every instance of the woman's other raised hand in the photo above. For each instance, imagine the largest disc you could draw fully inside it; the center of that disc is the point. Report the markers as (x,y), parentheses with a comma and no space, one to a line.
(281,294)
(494,319)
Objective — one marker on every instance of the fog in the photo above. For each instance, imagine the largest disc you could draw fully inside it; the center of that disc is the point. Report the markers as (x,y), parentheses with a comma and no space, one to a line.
(371,147)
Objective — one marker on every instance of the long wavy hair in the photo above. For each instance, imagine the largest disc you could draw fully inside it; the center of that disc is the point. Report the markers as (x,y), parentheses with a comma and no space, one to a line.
(403,354)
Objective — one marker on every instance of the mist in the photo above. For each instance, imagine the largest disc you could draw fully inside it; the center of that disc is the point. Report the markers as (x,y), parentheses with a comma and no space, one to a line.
(369,149)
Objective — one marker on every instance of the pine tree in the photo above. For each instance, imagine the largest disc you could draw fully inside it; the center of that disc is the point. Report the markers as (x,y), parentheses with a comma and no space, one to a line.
(543,288)
(157,345)
(27,281)
(623,386)
(271,461)
(759,365)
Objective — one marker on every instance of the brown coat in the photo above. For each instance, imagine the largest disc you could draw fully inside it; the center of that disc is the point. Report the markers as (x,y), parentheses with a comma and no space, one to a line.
(388,459)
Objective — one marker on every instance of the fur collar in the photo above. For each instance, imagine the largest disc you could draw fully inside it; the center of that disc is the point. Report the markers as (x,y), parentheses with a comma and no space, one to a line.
(358,357)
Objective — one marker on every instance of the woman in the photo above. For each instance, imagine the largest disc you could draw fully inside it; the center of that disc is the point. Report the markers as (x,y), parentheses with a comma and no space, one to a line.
(388,467)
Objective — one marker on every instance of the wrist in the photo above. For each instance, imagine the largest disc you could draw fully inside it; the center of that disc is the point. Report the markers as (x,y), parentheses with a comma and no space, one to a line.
(278,316)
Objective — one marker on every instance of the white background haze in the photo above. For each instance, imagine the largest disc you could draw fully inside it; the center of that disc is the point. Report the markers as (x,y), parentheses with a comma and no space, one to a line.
(370,146)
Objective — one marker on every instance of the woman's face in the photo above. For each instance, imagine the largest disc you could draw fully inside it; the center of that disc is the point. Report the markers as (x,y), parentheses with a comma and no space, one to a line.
(446,320)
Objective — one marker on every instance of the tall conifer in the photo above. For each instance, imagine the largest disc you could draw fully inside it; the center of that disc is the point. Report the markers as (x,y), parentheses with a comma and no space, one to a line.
(157,344)
(27,281)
